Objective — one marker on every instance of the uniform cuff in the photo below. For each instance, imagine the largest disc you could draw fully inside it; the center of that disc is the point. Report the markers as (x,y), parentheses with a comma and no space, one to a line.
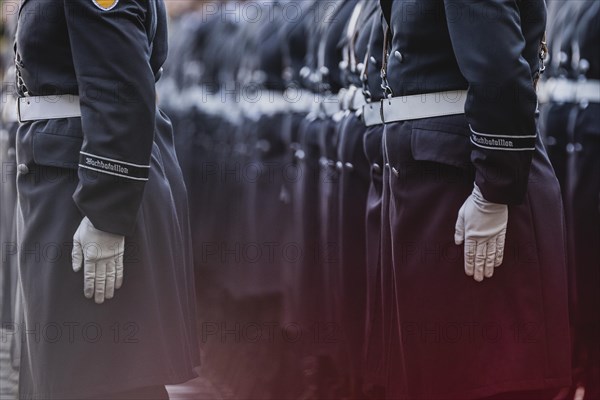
(491,141)
(110,166)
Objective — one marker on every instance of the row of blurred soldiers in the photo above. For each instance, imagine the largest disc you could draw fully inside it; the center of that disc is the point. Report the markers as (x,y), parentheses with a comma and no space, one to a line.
(276,151)
(277,176)
(270,103)
(281,148)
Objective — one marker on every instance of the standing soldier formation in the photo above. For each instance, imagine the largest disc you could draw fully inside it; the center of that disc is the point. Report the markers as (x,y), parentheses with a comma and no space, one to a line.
(367,178)
(570,124)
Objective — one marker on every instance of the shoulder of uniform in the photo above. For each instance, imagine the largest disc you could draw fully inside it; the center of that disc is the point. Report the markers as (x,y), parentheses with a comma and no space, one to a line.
(109,6)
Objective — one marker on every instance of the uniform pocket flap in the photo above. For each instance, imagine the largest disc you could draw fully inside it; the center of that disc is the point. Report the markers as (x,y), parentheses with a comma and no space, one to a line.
(54,150)
(442,143)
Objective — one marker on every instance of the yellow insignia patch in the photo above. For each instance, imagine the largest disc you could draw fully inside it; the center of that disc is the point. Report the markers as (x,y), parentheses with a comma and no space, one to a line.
(105,5)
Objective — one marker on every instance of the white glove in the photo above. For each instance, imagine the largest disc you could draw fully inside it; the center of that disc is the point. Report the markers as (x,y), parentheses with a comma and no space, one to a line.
(101,254)
(481,226)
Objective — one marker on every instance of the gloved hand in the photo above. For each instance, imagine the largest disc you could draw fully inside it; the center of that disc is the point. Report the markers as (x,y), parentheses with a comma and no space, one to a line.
(481,226)
(101,254)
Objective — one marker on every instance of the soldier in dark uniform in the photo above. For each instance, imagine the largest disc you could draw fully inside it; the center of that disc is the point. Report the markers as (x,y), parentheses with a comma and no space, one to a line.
(311,299)
(261,94)
(11,316)
(219,106)
(191,97)
(331,84)
(480,301)
(374,353)
(293,283)
(353,185)
(100,189)
(570,123)
(301,307)
(8,193)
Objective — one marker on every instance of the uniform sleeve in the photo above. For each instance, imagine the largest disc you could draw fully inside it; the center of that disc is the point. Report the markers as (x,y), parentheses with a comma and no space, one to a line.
(488,43)
(111,54)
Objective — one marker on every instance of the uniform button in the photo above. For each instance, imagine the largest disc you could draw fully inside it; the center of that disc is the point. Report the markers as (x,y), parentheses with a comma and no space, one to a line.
(396,172)
(570,148)
(339,166)
(574,148)
(563,57)
(305,72)
(360,67)
(399,56)
(376,168)
(373,60)
(22,169)
(584,65)
(324,71)
(288,73)
(349,166)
